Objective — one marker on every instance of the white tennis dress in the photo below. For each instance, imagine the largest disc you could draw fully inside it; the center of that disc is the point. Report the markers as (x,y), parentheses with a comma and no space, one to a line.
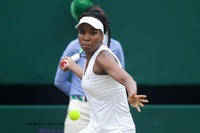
(109,109)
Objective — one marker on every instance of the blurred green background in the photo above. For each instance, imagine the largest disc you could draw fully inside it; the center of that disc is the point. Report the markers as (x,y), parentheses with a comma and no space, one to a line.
(160,39)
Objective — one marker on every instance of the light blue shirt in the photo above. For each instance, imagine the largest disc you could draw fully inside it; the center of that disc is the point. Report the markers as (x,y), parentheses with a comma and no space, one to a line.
(68,82)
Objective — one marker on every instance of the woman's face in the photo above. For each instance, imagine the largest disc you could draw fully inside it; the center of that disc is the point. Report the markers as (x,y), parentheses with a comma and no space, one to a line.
(90,38)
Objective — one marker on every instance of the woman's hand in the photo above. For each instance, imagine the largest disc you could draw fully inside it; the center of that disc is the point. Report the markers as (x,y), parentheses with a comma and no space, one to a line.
(65,63)
(71,65)
(137,101)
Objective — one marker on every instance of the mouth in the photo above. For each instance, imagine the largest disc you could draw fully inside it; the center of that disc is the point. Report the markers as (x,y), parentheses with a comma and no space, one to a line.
(85,46)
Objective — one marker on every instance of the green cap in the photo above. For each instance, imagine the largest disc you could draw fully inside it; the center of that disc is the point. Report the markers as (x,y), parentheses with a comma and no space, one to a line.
(77,7)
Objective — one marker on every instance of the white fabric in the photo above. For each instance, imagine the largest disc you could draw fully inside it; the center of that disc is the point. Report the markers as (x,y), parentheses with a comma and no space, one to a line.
(91,21)
(109,109)
(72,126)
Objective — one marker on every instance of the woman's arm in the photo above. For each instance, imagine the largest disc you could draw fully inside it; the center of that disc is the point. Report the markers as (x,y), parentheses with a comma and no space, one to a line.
(107,62)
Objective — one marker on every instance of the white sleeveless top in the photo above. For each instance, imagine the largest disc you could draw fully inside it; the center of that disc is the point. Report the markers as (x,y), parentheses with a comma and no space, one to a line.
(109,109)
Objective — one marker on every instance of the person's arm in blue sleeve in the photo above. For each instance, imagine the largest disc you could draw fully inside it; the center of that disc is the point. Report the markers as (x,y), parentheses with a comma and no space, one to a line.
(117,49)
(121,56)
(61,80)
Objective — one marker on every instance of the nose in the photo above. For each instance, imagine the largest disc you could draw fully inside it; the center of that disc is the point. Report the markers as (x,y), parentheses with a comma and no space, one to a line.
(86,38)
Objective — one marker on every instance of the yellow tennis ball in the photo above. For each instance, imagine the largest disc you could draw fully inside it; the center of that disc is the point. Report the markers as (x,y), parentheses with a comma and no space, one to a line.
(74,114)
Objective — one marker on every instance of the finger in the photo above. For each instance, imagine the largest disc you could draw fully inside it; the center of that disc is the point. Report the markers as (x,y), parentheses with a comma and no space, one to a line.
(138,109)
(130,100)
(142,96)
(131,97)
(141,104)
(61,65)
(144,101)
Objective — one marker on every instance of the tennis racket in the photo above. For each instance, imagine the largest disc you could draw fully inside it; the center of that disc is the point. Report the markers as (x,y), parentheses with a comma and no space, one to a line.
(74,57)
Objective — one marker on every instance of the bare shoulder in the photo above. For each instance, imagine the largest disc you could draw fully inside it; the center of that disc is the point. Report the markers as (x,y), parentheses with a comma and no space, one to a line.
(106,58)
(104,55)
(104,63)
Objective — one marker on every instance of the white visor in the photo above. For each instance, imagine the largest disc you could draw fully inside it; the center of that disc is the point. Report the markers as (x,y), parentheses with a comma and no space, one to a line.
(91,21)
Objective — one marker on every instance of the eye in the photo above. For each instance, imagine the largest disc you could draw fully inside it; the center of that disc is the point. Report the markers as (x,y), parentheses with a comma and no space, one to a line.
(81,32)
(93,33)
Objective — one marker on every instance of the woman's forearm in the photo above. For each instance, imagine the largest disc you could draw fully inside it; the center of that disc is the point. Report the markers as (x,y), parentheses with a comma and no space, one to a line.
(76,69)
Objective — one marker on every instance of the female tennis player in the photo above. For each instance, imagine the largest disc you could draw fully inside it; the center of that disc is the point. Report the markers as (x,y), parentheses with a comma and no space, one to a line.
(104,80)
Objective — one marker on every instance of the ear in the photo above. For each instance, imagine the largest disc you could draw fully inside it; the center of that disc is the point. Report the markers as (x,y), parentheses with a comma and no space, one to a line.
(102,37)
